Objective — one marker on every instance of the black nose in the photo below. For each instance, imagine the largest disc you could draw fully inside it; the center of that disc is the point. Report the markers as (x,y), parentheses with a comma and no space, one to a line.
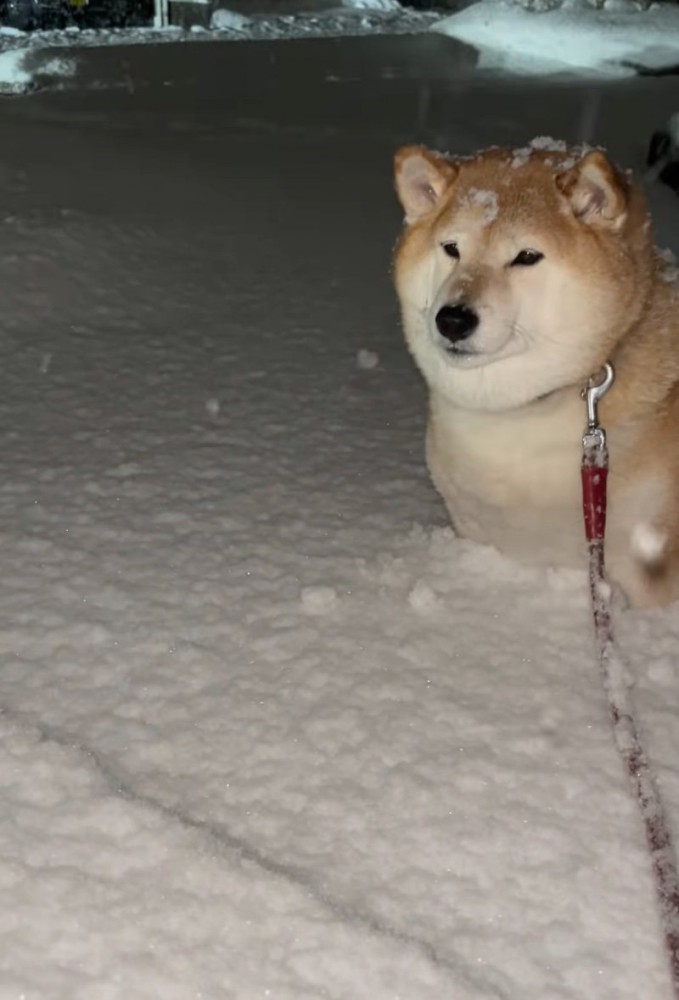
(456,322)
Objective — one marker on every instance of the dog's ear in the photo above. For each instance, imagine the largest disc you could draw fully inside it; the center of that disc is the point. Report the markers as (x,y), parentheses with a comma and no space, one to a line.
(596,191)
(421,178)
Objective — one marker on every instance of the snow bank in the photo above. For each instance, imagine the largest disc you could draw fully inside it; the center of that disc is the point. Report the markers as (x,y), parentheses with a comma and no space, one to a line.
(615,41)
(14,78)
(25,69)
(385,6)
(229,20)
(316,20)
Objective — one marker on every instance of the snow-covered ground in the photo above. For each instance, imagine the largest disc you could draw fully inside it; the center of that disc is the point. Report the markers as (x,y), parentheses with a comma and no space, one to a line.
(268,729)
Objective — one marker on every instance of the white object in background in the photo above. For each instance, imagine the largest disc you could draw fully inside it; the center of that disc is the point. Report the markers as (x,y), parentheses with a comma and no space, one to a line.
(161,14)
(229,20)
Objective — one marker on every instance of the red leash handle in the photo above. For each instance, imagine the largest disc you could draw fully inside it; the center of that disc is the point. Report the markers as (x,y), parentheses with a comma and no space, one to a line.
(594,473)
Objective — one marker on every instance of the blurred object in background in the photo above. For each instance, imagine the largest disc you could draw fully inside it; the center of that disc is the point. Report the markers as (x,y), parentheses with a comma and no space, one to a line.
(662,159)
(47,15)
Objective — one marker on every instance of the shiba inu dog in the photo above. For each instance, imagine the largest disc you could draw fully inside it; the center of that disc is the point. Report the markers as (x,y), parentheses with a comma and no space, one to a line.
(519,274)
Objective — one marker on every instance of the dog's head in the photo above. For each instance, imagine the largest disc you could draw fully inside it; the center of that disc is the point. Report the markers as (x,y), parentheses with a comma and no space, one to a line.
(517,271)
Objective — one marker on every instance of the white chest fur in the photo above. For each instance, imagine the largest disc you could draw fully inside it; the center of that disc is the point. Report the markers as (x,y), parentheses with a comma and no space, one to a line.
(512,479)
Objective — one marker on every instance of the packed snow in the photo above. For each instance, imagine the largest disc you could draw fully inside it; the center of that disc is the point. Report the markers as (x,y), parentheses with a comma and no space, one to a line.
(268,728)
(614,40)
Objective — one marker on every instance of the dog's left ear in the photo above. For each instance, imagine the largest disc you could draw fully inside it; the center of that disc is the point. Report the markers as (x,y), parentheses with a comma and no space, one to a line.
(596,191)
(421,178)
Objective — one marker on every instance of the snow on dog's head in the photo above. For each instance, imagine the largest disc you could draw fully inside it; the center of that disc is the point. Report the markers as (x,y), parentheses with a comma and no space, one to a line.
(517,274)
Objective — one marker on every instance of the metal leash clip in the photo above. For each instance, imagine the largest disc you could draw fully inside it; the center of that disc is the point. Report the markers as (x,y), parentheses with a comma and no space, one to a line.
(595,436)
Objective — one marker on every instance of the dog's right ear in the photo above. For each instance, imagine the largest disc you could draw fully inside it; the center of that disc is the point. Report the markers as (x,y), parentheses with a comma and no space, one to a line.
(422,177)
(596,191)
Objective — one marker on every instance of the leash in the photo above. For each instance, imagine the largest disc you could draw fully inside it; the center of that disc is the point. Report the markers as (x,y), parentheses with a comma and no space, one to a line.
(594,475)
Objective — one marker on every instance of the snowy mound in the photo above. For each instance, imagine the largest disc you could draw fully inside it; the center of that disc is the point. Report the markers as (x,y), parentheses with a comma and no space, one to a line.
(14,78)
(229,20)
(615,41)
(385,6)
(22,70)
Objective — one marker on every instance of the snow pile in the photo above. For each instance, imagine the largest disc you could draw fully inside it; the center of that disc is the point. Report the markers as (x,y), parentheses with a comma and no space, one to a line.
(14,77)
(229,20)
(384,6)
(347,17)
(24,69)
(614,41)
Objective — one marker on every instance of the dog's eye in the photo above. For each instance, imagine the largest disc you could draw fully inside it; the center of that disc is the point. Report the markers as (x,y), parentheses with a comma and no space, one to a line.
(451,250)
(526,258)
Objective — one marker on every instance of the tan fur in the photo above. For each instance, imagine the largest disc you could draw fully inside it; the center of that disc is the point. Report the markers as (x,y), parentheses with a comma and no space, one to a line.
(506,417)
